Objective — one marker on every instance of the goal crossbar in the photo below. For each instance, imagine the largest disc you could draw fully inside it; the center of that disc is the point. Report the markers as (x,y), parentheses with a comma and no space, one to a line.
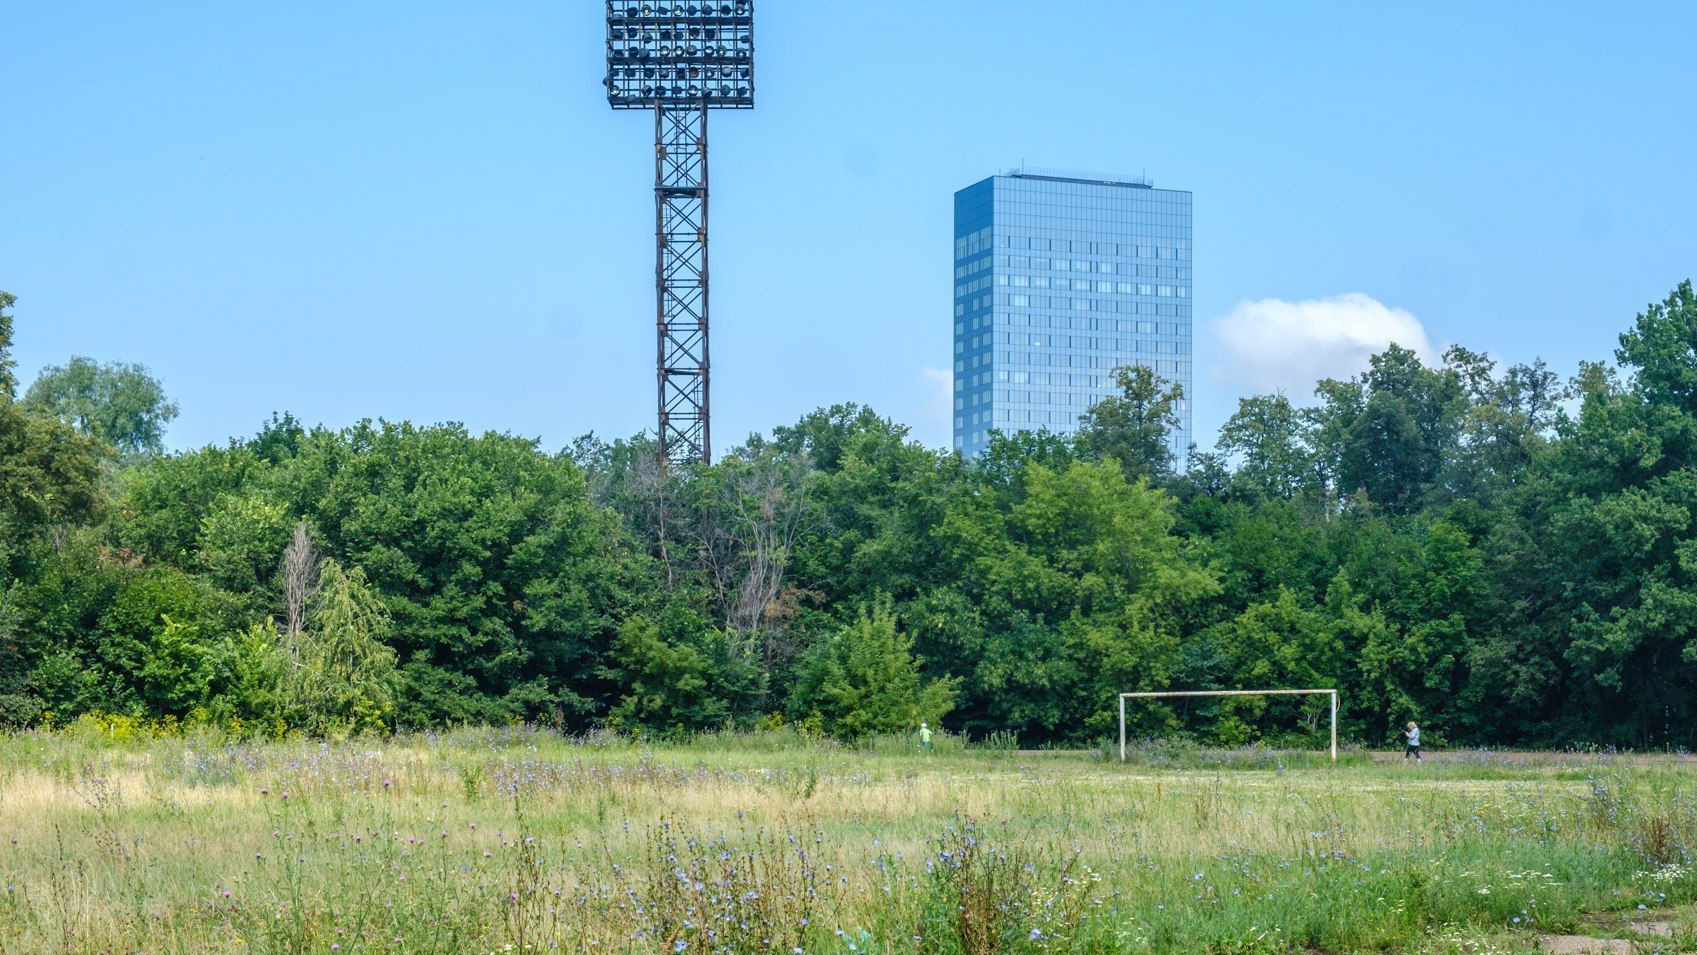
(1170,693)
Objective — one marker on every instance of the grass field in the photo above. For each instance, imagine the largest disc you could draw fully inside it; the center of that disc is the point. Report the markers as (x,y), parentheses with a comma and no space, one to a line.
(518,840)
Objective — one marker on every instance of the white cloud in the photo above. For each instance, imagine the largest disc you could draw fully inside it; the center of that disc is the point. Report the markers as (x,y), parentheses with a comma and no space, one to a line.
(1275,345)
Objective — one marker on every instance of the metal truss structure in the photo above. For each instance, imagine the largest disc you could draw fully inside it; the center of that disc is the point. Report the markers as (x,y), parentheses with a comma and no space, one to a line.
(680,281)
(681,60)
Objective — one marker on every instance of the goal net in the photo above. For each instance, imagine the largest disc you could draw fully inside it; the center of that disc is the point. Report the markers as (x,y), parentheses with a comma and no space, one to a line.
(1332,694)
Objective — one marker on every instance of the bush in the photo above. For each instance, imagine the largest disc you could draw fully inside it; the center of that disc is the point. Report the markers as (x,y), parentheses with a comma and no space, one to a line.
(865,680)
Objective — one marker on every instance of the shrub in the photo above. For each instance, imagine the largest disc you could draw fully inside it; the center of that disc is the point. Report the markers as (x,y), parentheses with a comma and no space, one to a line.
(865,680)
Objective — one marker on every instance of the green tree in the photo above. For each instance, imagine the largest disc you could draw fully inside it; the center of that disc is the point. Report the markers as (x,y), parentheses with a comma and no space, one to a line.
(1133,426)
(341,677)
(57,603)
(875,493)
(49,475)
(18,706)
(1282,641)
(240,539)
(864,680)
(1507,420)
(1082,587)
(1596,557)
(254,678)
(178,666)
(153,643)
(1424,577)
(1388,432)
(8,374)
(681,675)
(165,502)
(1661,348)
(505,583)
(1268,440)
(118,403)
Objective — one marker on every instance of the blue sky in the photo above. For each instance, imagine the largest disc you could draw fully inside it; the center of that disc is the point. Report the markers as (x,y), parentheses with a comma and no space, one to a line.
(426,210)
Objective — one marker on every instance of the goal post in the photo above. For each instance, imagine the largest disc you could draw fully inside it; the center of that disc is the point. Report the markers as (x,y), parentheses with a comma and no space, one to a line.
(1333,694)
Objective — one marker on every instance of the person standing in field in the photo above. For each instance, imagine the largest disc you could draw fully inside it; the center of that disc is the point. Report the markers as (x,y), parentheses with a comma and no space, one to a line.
(924,736)
(1411,737)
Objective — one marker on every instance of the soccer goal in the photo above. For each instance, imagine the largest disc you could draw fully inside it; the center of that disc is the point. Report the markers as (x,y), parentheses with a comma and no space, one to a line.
(1333,694)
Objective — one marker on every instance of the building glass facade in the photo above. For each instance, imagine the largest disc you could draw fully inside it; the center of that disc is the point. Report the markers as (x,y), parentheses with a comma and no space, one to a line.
(1060,279)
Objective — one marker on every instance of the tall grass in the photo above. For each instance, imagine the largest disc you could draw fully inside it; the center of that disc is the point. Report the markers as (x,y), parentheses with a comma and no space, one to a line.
(516,839)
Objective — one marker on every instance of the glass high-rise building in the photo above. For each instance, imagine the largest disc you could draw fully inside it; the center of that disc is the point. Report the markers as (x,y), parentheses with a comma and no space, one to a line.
(1061,278)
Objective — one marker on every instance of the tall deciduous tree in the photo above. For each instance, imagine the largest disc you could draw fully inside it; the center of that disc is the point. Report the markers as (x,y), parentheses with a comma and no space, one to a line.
(1268,441)
(505,583)
(8,377)
(1661,348)
(1133,427)
(1388,432)
(1507,419)
(118,403)
(1081,586)
(1614,528)
(48,474)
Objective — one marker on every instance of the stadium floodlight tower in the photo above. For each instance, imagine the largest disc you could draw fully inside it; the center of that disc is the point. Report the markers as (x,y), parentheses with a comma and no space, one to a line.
(681,60)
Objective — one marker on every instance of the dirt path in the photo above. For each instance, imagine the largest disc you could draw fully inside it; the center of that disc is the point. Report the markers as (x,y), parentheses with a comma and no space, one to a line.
(1528,757)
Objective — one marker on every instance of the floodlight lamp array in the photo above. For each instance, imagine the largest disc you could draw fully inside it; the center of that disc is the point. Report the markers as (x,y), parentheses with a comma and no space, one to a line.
(640,10)
(685,54)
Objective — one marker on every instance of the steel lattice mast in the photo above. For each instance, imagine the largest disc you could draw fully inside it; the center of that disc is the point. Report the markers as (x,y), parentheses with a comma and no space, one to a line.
(680,280)
(681,60)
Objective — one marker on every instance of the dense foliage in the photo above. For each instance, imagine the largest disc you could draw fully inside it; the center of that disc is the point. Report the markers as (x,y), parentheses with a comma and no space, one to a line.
(1507,557)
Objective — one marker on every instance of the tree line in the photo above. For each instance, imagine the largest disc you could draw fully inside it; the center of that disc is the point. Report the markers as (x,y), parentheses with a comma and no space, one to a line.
(1507,556)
